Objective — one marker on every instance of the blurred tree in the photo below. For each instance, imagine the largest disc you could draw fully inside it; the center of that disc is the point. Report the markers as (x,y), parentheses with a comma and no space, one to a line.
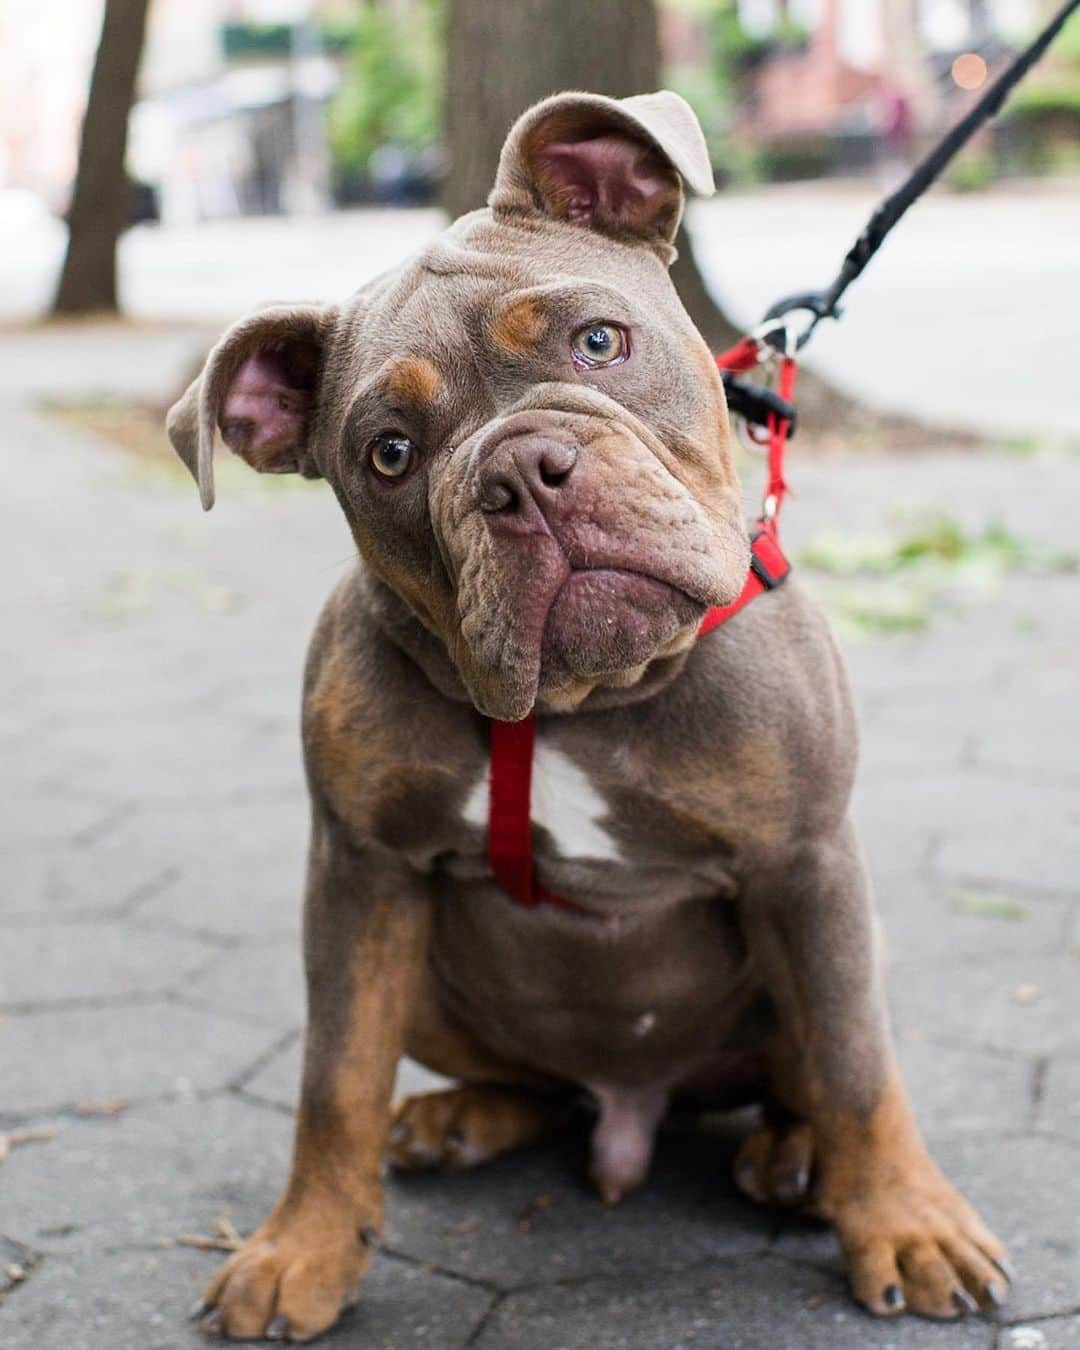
(503,56)
(102,199)
(390,89)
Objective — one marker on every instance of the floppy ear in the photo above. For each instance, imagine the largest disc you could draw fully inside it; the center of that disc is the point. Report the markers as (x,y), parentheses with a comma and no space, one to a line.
(614,165)
(259,388)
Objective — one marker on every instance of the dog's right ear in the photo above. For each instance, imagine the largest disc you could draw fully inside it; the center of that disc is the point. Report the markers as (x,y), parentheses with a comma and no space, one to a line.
(613,165)
(258,387)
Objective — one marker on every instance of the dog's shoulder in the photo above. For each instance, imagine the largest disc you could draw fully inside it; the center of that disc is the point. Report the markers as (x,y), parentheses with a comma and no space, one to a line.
(384,750)
(757,735)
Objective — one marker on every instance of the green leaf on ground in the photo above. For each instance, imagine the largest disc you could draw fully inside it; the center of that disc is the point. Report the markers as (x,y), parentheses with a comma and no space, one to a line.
(931,543)
(986,906)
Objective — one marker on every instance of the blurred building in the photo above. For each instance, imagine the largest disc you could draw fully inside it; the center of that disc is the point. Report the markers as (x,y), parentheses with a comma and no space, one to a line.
(230,96)
(837,85)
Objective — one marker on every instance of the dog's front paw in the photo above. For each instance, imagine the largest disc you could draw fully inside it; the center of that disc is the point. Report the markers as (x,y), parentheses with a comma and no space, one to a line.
(914,1243)
(288,1282)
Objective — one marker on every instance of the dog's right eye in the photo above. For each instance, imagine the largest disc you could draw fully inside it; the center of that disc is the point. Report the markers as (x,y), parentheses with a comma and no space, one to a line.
(391,454)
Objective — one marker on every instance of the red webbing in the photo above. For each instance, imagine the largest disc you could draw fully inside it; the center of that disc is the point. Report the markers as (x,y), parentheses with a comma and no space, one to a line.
(743,356)
(509,818)
(766,552)
(778,434)
(509,847)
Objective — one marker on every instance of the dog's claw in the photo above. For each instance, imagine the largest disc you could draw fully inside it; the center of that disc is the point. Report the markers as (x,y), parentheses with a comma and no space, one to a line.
(995,1292)
(1007,1268)
(963,1302)
(198,1308)
(894,1298)
(212,1323)
(278,1328)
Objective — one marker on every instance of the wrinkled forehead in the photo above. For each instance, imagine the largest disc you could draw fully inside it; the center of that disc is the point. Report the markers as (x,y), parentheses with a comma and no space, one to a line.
(485,291)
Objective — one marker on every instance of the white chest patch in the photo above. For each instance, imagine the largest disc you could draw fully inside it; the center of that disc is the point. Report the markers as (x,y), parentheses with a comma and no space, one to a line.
(564,802)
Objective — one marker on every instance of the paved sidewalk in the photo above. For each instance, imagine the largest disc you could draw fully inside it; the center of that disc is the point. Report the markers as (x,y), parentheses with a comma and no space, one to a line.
(151,848)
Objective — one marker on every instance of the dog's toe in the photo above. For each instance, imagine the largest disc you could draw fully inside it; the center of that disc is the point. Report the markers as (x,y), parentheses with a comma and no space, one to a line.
(774,1165)
(464,1126)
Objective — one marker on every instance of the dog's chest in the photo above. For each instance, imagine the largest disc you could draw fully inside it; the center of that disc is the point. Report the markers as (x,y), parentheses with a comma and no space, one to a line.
(606,830)
(565,803)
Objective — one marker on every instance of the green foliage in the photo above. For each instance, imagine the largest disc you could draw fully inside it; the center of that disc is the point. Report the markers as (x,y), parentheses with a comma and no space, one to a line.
(1039,100)
(931,542)
(391,91)
(896,581)
(972,172)
(983,906)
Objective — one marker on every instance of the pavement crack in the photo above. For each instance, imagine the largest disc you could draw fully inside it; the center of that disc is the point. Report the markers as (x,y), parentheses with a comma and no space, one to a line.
(246,1075)
(474,1281)
(497,1300)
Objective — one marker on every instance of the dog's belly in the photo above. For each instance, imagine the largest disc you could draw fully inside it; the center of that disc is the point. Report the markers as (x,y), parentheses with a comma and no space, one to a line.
(660,998)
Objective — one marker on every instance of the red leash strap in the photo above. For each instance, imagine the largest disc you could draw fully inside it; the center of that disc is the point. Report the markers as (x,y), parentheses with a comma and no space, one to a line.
(778,436)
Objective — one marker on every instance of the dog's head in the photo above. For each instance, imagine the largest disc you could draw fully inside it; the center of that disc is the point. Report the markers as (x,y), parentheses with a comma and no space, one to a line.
(527,434)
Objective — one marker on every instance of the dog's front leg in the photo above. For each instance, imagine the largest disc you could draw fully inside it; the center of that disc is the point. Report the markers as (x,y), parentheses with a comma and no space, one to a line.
(910,1239)
(366,924)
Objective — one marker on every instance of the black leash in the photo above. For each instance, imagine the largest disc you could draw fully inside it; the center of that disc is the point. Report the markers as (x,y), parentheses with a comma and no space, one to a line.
(824,304)
(754,402)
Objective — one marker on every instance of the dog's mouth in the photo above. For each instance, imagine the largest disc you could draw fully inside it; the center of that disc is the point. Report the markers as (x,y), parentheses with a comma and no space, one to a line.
(608,619)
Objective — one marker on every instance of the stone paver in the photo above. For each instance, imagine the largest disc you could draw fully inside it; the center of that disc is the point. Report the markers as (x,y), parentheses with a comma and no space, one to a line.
(57,1059)
(151,858)
(143,1298)
(744,1304)
(1059,1110)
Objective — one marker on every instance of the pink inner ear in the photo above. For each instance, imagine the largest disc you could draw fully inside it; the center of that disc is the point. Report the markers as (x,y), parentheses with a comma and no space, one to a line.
(607,178)
(265,410)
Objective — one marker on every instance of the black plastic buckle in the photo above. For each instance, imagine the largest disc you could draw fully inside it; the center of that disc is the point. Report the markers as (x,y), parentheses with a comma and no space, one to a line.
(756,403)
(768,579)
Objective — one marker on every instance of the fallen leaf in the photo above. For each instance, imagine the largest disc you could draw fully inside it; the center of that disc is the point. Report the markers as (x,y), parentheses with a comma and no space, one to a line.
(224,1228)
(29,1135)
(535,1207)
(205,1243)
(108,1106)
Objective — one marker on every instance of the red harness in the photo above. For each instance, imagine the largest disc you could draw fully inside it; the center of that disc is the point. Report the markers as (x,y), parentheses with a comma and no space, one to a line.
(510,851)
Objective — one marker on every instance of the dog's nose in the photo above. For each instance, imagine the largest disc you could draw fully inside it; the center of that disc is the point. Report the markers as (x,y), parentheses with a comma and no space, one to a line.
(525,472)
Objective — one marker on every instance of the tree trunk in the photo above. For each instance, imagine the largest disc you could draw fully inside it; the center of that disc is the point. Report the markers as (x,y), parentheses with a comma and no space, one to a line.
(503,55)
(101,202)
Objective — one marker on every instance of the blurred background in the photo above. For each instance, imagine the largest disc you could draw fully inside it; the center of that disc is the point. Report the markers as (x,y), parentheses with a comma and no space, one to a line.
(189,159)
(168,165)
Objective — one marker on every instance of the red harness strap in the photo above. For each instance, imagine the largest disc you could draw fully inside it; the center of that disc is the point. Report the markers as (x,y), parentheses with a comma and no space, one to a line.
(509,817)
(509,848)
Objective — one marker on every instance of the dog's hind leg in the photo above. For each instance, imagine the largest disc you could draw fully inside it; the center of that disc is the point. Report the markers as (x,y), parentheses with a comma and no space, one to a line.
(495,1106)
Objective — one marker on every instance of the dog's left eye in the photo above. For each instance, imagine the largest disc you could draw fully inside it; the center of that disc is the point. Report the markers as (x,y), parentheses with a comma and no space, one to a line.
(600,344)
(391,454)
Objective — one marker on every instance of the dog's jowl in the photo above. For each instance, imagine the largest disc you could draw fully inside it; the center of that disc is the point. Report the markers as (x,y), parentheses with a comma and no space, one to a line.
(529,441)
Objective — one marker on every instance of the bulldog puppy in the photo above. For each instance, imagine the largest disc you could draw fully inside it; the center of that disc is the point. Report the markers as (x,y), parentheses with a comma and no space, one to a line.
(530,444)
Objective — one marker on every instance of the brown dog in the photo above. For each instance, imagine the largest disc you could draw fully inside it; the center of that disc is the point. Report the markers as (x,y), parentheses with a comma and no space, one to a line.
(530,444)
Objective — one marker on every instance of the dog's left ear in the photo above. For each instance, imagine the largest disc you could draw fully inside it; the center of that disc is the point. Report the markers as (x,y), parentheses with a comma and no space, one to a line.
(613,165)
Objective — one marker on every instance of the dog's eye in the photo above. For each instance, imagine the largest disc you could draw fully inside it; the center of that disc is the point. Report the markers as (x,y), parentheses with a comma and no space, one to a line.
(391,454)
(600,344)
